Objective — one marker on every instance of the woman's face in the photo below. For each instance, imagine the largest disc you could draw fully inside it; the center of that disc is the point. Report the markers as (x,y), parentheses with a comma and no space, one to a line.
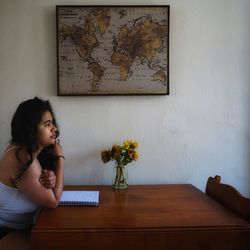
(46,130)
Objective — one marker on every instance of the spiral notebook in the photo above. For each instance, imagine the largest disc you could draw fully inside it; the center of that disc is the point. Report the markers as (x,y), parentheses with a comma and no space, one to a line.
(82,198)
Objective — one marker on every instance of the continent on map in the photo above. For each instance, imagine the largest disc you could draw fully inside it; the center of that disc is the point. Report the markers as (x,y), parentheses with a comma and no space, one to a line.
(124,63)
(102,17)
(142,42)
(83,38)
(97,71)
(160,76)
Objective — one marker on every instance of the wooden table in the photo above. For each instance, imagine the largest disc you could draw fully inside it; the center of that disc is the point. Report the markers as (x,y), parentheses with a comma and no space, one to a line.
(173,217)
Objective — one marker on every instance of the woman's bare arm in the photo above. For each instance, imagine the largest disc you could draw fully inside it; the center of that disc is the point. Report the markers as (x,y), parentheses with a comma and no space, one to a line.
(31,186)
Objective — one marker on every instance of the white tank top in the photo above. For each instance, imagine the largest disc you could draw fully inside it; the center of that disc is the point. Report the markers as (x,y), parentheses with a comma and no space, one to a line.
(16,210)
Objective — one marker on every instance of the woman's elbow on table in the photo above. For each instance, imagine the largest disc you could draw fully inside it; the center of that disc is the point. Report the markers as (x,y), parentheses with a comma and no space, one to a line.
(51,202)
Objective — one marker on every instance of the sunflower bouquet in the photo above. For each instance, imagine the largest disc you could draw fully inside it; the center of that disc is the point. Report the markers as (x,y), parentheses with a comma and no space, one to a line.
(122,154)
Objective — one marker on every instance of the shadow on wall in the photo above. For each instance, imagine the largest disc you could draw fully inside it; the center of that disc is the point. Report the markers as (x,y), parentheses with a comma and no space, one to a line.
(247,44)
(248,112)
(248,139)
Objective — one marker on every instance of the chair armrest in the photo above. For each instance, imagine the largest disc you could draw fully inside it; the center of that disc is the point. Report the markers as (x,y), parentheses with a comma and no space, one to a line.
(228,196)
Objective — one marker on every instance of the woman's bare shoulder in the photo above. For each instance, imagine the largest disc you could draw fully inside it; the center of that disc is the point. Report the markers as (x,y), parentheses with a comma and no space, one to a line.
(13,159)
(19,152)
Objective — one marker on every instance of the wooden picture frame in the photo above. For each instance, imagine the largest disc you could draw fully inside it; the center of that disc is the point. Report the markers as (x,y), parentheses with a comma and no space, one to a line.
(112,50)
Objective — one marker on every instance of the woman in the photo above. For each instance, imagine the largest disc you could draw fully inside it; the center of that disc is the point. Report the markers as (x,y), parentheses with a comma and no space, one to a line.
(24,186)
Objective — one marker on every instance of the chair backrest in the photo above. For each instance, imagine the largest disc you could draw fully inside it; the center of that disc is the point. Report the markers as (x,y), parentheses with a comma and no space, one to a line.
(228,196)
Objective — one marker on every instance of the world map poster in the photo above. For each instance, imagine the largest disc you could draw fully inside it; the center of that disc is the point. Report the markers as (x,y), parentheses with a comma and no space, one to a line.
(112,50)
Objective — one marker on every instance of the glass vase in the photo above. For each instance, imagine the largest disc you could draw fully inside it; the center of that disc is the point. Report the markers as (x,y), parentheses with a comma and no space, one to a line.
(120,180)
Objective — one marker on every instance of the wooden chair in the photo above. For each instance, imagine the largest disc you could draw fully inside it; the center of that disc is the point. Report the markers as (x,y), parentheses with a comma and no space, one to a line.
(228,196)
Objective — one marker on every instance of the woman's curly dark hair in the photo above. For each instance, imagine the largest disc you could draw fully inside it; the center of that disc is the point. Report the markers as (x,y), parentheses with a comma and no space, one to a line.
(24,127)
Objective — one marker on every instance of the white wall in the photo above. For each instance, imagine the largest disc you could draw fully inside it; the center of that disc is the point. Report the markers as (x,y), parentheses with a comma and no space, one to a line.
(199,130)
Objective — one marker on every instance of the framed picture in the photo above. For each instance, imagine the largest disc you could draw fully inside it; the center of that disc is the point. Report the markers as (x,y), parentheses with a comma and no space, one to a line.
(112,50)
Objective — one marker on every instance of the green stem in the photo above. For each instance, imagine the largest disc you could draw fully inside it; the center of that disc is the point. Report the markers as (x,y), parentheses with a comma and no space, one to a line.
(120,178)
